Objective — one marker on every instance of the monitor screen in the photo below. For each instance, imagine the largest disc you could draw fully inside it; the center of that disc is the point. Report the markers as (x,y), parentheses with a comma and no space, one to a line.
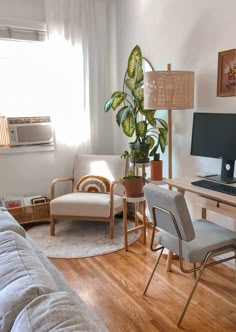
(214,136)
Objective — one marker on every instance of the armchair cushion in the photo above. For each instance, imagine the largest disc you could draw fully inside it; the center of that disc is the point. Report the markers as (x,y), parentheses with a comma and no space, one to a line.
(84,204)
(93,183)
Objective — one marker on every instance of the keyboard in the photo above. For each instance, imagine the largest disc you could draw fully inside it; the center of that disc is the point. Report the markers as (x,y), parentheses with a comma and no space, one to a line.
(223,188)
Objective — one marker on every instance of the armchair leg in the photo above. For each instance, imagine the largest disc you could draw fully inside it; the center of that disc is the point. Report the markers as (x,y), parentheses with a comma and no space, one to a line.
(52,225)
(112,227)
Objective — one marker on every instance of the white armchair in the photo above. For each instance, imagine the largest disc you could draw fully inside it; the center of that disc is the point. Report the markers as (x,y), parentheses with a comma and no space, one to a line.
(95,206)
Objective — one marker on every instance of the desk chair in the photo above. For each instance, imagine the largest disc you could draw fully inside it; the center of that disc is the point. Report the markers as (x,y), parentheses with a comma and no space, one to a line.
(192,241)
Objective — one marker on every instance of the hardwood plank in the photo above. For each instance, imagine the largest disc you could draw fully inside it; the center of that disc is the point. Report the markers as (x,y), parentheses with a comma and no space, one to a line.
(113,285)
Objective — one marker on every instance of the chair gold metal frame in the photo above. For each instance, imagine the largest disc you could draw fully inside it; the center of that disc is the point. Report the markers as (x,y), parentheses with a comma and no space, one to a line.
(201,267)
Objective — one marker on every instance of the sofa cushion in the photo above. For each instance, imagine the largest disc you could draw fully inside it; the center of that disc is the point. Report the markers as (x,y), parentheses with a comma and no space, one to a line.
(7,222)
(22,277)
(58,311)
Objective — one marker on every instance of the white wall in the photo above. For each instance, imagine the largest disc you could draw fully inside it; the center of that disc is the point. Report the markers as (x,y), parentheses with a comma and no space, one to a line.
(30,173)
(188,34)
(22,12)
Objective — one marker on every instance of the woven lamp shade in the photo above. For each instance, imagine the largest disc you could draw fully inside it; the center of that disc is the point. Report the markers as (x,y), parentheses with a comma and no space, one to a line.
(169,90)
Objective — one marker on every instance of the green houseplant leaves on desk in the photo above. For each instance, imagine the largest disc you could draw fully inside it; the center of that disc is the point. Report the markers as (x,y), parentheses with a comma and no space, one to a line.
(149,132)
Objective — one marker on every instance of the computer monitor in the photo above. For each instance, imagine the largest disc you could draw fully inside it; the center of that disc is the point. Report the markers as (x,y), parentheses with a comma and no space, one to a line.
(214,136)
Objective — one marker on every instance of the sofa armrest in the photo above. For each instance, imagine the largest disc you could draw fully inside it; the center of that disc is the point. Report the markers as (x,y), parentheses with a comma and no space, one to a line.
(55,181)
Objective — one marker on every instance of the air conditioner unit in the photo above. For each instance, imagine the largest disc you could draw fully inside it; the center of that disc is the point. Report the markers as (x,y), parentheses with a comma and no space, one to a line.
(30,130)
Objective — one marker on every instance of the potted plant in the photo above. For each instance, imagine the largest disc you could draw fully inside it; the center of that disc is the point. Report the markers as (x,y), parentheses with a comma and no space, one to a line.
(133,184)
(149,132)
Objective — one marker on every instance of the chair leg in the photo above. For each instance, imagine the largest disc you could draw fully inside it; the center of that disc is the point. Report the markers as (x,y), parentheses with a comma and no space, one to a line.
(153,271)
(235,268)
(195,272)
(169,261)
(112,227)
(191,294)
(52,225)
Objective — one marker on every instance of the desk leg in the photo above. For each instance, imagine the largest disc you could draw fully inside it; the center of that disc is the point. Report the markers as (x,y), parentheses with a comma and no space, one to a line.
(169,261)
(204,213)
(125,223)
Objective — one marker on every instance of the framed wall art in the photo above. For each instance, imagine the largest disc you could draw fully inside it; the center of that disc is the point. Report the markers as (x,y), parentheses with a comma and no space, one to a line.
(226,73)
(39,200)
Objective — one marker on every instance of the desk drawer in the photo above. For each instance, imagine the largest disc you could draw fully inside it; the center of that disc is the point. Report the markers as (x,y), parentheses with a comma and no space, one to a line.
(216,206)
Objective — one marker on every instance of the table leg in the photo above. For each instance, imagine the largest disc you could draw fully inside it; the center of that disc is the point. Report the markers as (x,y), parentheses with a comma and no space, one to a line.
(144,220)
(169,261)
(204,213)
(125,223)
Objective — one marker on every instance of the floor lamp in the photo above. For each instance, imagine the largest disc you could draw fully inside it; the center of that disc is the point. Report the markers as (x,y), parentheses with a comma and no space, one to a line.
(169,90)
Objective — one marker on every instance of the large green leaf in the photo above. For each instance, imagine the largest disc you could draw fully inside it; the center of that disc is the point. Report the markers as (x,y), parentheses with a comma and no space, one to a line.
(141,129)
(163,133)
(118,98)
(120,116)
(154,150)
(139,73)
(128,124)
(162,143)
(139,93)
(163,123)
(108,104)
(163,139)
(130,83)
(150,116)
(135,60)
(151,141)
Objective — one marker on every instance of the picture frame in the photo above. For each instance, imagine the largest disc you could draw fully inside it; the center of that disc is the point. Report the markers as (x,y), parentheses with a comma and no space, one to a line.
(12,202)
(39,200)
(226,77)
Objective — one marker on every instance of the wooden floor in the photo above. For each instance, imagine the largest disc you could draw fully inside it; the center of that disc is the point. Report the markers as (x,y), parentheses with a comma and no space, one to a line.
(113,284)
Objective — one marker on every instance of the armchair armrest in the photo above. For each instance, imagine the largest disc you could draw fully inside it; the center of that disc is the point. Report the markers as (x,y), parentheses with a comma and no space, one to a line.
(55,181)
(113,184)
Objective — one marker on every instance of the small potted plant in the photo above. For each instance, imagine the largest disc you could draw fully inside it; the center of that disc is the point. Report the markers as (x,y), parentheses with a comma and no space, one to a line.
(132,182)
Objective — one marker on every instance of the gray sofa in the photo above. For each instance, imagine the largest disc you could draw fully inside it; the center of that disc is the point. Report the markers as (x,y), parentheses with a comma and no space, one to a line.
(34,296)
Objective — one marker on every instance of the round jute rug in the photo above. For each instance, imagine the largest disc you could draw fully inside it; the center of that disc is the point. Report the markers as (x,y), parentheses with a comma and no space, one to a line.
(77,239)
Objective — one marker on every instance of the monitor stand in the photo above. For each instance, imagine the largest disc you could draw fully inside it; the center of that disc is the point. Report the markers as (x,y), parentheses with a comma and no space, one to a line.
(227,173)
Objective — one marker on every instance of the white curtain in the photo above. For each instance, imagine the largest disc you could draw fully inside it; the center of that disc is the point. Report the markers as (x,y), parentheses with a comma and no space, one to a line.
(78,58)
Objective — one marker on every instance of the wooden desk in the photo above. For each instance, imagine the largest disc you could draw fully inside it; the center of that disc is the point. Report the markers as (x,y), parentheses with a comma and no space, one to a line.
(207,199)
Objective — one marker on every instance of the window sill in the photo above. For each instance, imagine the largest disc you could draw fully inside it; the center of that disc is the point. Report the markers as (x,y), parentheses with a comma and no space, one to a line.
(26,149)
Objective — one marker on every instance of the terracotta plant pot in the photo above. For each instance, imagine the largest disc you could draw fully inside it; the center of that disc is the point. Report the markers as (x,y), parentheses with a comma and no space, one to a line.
(134,186)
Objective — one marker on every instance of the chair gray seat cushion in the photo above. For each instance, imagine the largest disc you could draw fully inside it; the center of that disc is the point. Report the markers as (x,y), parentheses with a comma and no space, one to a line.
(209,236)
(59,311)
(84,204)
(22,277)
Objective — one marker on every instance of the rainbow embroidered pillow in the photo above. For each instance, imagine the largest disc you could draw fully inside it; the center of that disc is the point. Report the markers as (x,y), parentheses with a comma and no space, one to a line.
(93,183)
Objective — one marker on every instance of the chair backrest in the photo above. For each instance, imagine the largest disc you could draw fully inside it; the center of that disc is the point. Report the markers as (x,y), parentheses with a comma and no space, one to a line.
(175,203)
(110,166)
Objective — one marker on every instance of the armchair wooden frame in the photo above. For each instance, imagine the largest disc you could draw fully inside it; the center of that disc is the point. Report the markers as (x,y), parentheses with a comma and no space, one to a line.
(110,219)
